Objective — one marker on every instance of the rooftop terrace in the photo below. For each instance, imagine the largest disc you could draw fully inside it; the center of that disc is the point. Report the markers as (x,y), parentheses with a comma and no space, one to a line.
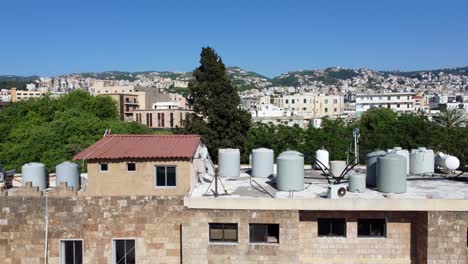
(424,193)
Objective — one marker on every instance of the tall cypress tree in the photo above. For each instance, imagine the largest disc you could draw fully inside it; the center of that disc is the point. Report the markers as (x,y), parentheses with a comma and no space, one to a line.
(217,116)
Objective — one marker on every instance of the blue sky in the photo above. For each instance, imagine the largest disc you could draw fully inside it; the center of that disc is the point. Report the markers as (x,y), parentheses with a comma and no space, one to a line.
(269,37)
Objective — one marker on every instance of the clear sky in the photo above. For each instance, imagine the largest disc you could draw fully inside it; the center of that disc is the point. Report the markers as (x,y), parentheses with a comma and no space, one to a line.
(270,37)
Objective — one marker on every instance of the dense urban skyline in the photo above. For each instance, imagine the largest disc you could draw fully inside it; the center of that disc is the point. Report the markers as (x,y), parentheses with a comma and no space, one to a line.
(54,37)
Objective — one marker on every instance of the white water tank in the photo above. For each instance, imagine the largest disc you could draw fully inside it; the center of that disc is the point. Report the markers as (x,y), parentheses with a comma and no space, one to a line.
(421,161)
(323,156)
(337,167)
(36,174)
(262,162)
(447,161)
(228,162)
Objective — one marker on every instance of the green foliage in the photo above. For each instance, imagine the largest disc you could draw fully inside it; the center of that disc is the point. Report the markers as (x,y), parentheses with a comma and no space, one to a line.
(215,101)
(51,130)
(18,82)
(379,128)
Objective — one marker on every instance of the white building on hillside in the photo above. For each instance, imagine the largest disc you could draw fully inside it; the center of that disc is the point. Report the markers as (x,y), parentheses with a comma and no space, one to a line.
(399,102)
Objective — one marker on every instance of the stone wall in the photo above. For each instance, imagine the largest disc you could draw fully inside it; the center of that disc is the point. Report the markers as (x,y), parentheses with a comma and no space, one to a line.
(396,247)
(154,222)
(166,232)
(198,249)
(447,238)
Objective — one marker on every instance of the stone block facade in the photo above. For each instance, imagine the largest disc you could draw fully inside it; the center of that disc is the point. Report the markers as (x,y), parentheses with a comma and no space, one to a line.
(447,237)
(167,232)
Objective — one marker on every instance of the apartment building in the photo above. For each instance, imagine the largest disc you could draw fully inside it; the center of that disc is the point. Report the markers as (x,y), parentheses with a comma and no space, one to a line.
(20,95)
(398,102)
(126,104)
(163,118)
(149,198)
(313,106)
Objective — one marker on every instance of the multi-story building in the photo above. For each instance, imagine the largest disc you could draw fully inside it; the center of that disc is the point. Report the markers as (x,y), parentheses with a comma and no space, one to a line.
(149,199)
(165,116)
(126,104)
(399,102)
(19,95)
(314,106)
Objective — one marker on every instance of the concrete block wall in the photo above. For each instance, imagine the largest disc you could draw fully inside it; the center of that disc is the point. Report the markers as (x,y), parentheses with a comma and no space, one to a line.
(153,222)
(447,237)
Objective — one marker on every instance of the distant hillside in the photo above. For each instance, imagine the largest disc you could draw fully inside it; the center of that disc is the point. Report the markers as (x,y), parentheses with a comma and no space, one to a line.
(327,76)
(415,74)
(18,82)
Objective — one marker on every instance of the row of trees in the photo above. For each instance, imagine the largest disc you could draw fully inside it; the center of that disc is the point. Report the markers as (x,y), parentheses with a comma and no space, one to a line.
(52,130)
(379,129)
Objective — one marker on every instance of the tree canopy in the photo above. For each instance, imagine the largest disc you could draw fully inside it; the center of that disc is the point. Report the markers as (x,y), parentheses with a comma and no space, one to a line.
(52,130)
(379,129)
(215,102)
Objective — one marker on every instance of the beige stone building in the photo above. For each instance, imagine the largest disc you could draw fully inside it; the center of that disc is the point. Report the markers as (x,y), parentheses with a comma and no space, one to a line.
(19,95)
(313,106)
(121,216)
(126,104)
(141,165)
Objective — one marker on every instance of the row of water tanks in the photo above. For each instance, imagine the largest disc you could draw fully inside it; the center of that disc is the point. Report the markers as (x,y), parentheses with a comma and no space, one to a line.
(290,164)
(36,173)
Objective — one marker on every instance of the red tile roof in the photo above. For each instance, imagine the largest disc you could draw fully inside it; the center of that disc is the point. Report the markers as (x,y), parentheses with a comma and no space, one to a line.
(141,147)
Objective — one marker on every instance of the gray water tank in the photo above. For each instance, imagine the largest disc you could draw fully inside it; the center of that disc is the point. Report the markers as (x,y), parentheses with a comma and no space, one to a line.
(68,172)
(421,161)
(290,175)
(405,154)
(228,162)
(263,160)
(357,183)
(35,173)
(391,173)
(371,167)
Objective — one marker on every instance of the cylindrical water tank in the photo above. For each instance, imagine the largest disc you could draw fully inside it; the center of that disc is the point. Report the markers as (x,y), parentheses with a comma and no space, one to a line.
(262,162)
(323,157)
(290,171)
(391,173)
(447,161)
(68,172)
(228,162)
(421,161)
(357,183)
(397,148)
(337,167)
(35,173)
(371,167)
(405,154)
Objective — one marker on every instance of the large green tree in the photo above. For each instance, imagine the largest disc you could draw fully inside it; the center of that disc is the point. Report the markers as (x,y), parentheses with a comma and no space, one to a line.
(52,130)
(217,116)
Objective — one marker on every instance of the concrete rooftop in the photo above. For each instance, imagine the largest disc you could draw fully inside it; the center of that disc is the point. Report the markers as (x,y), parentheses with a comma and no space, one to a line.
(423,193)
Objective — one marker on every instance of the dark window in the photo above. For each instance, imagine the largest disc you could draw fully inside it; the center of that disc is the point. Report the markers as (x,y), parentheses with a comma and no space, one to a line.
(372,228)
(162,120)
(398,97)
(104,166)
(166,176)
(326,109)
(71,252)
(223,232)
(334,109)
(292,101)
(335,101)
(286,100)
(171,119)
(398,105)
(332,227)
(124,251)
(305,101)
(131,166)
(264,233)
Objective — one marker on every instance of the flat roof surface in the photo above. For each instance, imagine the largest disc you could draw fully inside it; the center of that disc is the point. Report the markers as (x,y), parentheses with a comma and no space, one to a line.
(434,192)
